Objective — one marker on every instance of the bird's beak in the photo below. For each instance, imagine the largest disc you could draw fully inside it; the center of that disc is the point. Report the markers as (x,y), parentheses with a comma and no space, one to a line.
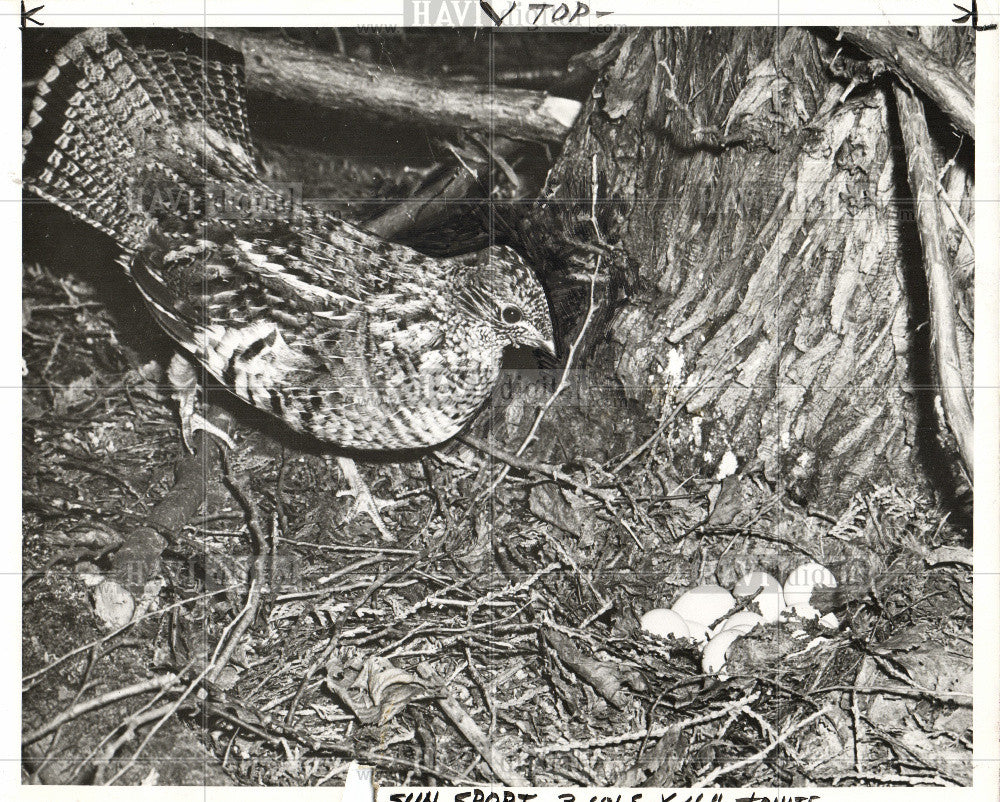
(542,342)
(532,337)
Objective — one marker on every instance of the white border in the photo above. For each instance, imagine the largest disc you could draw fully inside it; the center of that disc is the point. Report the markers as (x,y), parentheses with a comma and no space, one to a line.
(256,13)
(986,517)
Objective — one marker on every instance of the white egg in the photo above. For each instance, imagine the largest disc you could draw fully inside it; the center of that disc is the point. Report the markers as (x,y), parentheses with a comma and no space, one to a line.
(664,623)
(699,632)
(714,656)
(800,584)
(771,600)
(704,604)
(744,620)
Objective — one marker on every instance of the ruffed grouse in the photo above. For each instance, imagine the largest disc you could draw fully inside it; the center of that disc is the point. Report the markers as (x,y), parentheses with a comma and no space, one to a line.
(365,344)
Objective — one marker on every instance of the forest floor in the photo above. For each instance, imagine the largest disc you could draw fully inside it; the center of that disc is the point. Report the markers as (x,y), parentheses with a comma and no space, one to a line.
(496,635)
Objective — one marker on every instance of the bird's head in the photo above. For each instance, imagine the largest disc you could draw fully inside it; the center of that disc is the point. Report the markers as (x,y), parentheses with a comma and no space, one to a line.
(505,293)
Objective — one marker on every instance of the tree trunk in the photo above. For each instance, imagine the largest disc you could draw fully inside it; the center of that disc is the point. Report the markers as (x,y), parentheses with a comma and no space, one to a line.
(774,304)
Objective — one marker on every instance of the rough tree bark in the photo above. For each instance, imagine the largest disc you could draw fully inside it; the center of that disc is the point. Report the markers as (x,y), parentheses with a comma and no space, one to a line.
(777,296)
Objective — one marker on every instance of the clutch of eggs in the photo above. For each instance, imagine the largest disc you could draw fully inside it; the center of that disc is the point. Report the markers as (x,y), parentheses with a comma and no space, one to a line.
(702,614)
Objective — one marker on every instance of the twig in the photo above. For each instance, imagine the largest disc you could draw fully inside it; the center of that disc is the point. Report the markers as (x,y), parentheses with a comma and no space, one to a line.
(241,492)
(591,308)
(549,471)
(472,733)
(100,701)
(110,635)
(171,708)
(231,637)
(84,464)
(564,375)
(380,550)
(714,775)
(127,730)
(659,430)
(274,732)
(50,747)
(334,640)
(768,730)
(950,554)
(431,203)
(958,217)
(649,733)
(232,634)
(883,779)
(568,558)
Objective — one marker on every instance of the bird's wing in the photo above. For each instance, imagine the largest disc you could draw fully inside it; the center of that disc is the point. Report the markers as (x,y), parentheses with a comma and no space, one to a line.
(281,314)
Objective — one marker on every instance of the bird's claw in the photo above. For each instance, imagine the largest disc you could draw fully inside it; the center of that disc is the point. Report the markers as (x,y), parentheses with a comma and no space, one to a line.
(364,501)
(184,383)
(193,421)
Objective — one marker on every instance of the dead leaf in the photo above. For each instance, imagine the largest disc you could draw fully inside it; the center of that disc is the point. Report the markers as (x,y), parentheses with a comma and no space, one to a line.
(565,511)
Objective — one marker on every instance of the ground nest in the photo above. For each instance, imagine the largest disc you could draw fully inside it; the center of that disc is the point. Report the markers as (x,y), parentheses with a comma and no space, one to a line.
(494,638)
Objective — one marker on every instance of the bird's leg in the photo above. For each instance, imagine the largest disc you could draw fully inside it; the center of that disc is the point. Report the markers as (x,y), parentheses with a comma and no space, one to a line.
(184,384)
(364,501)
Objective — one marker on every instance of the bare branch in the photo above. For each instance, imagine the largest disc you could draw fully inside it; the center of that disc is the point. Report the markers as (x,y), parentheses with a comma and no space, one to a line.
(489,751)
(294,72)
(104,699)
(920,66)
(553,472)
(709,778)
(432,203)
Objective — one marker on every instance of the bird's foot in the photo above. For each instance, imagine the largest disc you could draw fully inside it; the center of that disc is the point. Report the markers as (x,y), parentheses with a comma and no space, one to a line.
(364,501)
(184,383)
(193,421)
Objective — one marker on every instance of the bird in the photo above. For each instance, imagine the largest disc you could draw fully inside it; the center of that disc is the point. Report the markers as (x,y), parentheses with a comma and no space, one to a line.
(362,343)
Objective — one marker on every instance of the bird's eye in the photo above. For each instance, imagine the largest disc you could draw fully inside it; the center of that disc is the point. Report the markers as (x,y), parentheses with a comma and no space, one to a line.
(511,315)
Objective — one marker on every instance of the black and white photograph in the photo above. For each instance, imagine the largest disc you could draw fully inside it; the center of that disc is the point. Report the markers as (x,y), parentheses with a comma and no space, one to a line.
(490,395)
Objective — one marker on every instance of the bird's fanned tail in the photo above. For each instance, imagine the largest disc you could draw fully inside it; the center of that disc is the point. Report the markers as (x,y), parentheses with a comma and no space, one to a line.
(124,129)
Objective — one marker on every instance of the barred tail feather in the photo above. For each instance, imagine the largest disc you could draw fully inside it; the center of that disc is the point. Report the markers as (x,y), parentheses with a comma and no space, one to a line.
(117,109)
(76,154)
